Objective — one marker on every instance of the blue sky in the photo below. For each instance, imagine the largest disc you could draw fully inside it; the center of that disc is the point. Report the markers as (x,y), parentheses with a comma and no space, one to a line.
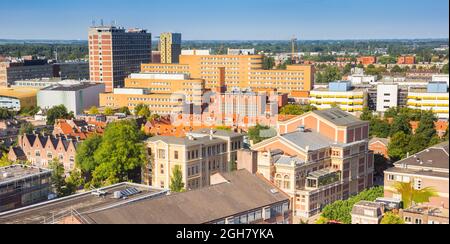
(230,19)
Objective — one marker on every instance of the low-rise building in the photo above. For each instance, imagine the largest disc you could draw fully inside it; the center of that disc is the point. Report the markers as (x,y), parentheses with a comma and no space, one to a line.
(24,70)
(74,95)
(365,212)
(165,94)
(428,168)
(425,215)
(340,94)
(40,150)
(17,98)
(406,60)
(233,198)
(72,209)
(434,97)
(22,185)
(367,60)
(379,146)
(80,129)
(200,154)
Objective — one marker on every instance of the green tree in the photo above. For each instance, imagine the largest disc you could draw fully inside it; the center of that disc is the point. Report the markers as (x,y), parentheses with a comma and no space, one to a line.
(366,114)
(144,111)
(387,60)
(225,128)
(4,161)
(73,182)
(444,69)
(29,111)
(125,110)
(331,73)
(57,112)
(294,109)
(379,128)
(93,110)
(176,182)
(26,128)
(401,123)
(120,155)
(84,159)
(259,133)
(398,147)
(390,218)
(138,108)
(108,111)
(347,69)
(57,178)
(6,114)
(397,69)
(268,63)
(341,210)
(411,196)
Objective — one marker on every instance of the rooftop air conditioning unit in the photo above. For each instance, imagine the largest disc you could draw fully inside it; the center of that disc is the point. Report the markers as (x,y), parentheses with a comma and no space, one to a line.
(117,195)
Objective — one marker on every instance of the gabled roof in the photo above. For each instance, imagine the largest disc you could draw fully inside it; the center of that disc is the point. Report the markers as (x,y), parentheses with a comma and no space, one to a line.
(18,152)
(385,141)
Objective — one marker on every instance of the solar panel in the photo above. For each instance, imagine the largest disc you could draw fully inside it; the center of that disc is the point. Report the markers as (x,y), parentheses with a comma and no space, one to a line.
(129,192)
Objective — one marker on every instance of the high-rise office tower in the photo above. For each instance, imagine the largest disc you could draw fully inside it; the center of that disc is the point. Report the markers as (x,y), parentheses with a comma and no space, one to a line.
(170,47)
(115,53)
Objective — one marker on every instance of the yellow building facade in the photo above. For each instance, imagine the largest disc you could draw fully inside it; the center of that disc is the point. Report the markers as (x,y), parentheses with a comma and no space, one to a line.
(242,71)
(163,93)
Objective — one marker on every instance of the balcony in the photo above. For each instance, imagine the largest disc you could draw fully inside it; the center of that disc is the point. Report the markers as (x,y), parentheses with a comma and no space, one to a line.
(321,178)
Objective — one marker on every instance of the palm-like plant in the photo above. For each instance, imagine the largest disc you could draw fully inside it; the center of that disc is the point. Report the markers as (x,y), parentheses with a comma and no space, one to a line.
(411,196)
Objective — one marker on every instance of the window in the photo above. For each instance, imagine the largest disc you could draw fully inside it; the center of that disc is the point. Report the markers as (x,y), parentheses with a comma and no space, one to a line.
(161,153)
(391,177)
(418,221)
(417,184)
(162,168)
(176,155)
(370,213)
(287,182)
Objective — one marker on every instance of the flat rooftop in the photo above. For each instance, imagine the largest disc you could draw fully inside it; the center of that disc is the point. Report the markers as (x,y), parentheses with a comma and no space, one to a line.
(241,192)
(83,203)
(430,211)
(308,139)
(70,86)
(435,157)
(16,172)
(339,117)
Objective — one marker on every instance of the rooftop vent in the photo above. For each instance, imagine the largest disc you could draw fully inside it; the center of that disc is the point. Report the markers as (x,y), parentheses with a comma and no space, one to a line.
(274,191)
(301,128)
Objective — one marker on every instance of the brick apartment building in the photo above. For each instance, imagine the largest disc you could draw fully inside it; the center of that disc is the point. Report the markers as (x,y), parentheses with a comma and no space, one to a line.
(317,158)
(367,60)
(406,60)
(200,154)
(428,168)
(40,150)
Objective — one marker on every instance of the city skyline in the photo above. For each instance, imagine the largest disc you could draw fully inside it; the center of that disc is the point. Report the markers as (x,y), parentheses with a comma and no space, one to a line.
(236,20)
